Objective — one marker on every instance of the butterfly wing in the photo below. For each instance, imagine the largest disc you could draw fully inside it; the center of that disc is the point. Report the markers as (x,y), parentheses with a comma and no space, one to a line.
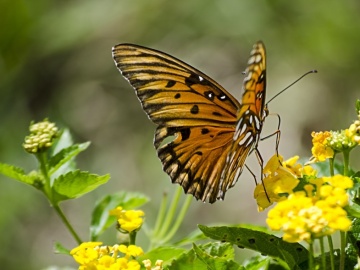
(198,115)
(251,117)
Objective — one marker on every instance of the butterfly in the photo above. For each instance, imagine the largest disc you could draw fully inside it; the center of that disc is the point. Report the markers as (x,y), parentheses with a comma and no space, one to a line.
(208,132)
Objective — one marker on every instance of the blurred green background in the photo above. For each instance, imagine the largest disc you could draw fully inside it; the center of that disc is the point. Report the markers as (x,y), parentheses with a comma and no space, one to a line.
(55,61)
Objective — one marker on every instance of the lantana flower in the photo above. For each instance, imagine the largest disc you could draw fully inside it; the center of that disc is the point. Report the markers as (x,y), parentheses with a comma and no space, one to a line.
(93,256)
(129,220)
(321,149)
(281,177)
(316,211)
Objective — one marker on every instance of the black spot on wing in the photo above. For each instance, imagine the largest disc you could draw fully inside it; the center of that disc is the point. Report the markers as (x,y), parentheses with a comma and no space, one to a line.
(185,133)
(194,79)
(217,114)
(222,97)
(209,95)
(170,84)
(204,131)
(178,95)
(195,109)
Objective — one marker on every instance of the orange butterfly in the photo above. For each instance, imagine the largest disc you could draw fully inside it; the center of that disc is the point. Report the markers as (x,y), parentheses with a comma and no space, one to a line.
(212,132)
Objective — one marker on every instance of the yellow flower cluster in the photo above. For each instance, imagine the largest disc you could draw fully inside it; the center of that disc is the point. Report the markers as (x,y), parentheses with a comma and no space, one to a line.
(130,220)
(321,149)
(315,212)
(281,177)
(326,144)
(93,256)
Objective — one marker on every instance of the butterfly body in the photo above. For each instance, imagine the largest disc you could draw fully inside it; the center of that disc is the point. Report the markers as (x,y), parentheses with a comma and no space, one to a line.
(213,133)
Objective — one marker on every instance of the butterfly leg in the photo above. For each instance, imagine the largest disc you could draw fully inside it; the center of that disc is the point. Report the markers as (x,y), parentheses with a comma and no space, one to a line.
(261,163)
(253,175)
(278,134)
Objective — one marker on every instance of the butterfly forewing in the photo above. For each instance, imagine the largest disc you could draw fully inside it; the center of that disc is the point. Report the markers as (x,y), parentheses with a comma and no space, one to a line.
(198,115)
(251,116)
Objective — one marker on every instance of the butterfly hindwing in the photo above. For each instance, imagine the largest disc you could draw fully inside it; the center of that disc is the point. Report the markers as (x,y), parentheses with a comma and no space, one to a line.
(196,117)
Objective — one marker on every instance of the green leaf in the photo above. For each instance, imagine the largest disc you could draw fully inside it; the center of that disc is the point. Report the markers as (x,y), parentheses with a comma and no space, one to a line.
(75,184)
(60,249)
(101,220)
(19,174)
(353,239)
(292,253)
(167,254)
(199,259)
(65,155)
(220,261)
(65,140)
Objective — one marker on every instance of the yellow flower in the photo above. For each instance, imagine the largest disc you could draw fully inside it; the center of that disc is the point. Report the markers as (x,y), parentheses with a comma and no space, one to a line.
(321,149)
(92,256)
(315,212)
(131,250)
(86,252)
(130,220)
(279,181)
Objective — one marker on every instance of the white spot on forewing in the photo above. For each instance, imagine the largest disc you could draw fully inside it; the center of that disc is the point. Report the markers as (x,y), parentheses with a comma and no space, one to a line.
(257,123)
(251,60)
(239,131)
(258,58)
(201,78)
(248,76)
(246,139)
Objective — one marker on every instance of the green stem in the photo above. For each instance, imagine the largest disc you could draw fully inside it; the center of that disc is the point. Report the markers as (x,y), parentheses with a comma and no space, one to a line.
(170,214)
(132,236)
(322,249)
(42,158)
(179,219)
(161,215)
(342,250)
(311,256)
(346,155)
(331,252)
(331,163)
(67,224)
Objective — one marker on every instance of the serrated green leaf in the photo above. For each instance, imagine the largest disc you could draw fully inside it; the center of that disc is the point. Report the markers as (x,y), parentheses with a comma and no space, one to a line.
(266,244)
(166,254)
(191,260)
(216,262)
(101,220)
(258,262)
(65,155)
(353,239)
(75,184)
(218,249)
(187,261)
(60,249)
(18,174)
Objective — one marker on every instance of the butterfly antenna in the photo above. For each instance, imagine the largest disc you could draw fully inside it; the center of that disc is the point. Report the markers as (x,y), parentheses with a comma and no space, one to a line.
(287,87)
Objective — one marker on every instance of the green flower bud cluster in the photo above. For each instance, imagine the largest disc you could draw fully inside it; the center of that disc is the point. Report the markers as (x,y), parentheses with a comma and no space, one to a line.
(339,141)
(42,135)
